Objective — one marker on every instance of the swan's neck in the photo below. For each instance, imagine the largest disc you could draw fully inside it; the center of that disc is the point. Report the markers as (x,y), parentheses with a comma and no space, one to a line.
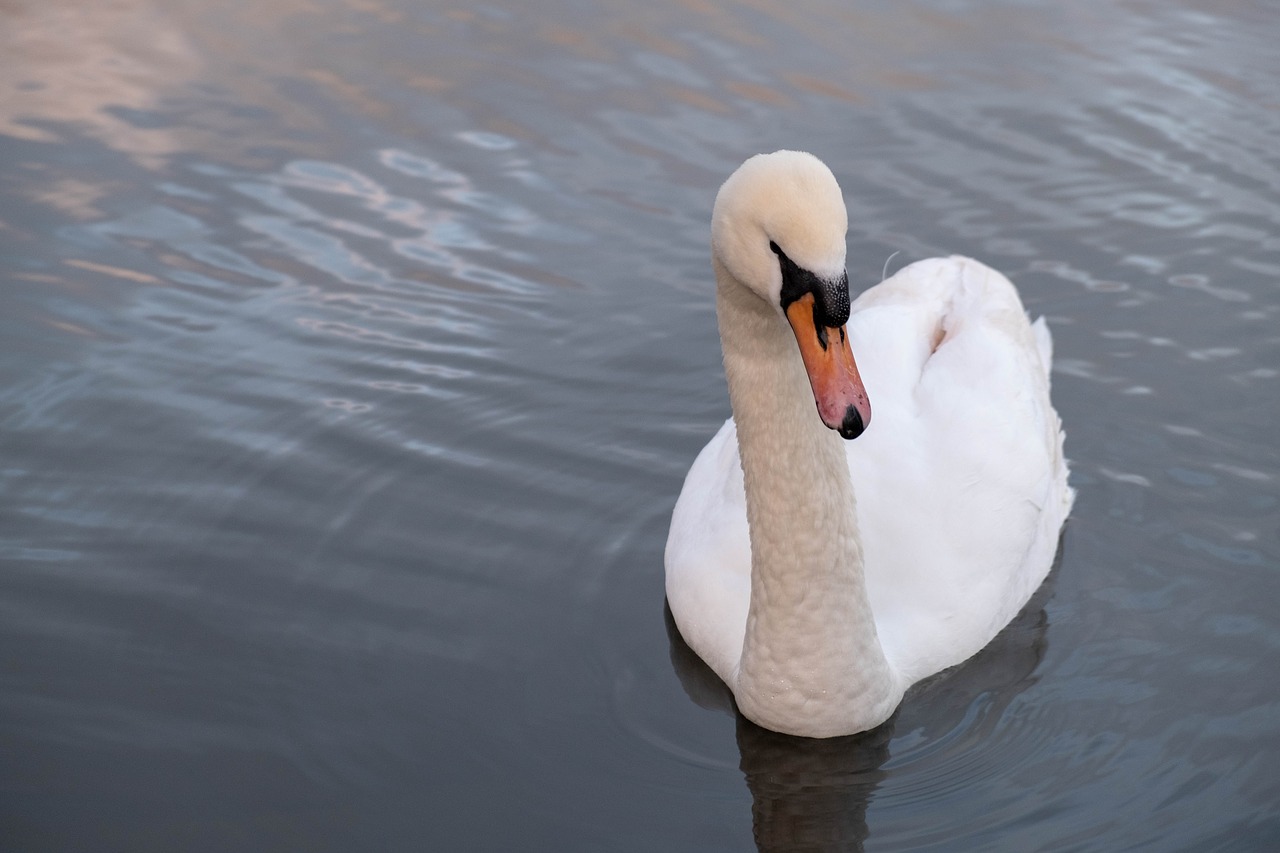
(811,661)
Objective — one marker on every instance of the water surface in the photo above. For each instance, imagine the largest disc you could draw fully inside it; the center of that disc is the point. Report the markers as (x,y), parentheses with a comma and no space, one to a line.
(352,355)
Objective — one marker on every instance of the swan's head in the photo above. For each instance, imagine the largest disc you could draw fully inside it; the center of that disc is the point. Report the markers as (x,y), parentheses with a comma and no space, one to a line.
(778,228)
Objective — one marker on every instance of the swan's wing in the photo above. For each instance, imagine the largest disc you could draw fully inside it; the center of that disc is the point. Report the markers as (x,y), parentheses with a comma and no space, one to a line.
(960,479)
(1044,344)
(708,555)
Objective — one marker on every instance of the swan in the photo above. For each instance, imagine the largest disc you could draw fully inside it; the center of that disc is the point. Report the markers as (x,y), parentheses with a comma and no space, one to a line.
(817,609)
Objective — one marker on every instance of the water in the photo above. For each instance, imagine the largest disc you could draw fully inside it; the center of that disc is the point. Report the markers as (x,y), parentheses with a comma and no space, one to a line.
(353,355)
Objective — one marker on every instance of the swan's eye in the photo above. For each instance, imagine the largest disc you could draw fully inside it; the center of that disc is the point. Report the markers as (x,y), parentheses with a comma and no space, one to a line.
(774,248)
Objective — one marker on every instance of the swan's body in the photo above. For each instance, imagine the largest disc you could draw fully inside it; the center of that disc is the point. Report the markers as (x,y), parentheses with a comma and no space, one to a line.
(824,609)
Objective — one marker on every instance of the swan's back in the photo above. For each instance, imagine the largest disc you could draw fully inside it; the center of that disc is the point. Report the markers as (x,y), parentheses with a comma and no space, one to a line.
(962,487)
(961,483)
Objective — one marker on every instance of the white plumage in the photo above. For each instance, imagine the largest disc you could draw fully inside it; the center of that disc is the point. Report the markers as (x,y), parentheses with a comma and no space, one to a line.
(961,486)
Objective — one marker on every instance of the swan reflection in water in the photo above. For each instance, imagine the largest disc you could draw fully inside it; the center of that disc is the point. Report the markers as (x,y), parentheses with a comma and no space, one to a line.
(812,794)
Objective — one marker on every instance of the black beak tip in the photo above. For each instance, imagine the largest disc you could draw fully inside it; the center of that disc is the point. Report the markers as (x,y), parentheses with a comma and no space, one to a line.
(851,426)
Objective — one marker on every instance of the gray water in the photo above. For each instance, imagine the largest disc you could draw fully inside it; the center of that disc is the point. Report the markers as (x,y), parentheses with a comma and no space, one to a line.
(352,355)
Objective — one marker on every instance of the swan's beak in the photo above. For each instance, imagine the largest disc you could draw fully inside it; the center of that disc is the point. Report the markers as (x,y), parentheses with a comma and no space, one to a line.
(833,374)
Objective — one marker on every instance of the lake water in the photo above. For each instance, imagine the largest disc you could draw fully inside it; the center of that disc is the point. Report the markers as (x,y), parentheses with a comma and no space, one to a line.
(352,355)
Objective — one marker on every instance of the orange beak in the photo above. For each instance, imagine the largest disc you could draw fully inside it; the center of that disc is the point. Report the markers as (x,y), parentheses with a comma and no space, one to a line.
(833,374)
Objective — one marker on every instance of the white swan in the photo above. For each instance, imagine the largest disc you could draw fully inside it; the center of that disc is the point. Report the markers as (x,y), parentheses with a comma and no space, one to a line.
(817,610)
